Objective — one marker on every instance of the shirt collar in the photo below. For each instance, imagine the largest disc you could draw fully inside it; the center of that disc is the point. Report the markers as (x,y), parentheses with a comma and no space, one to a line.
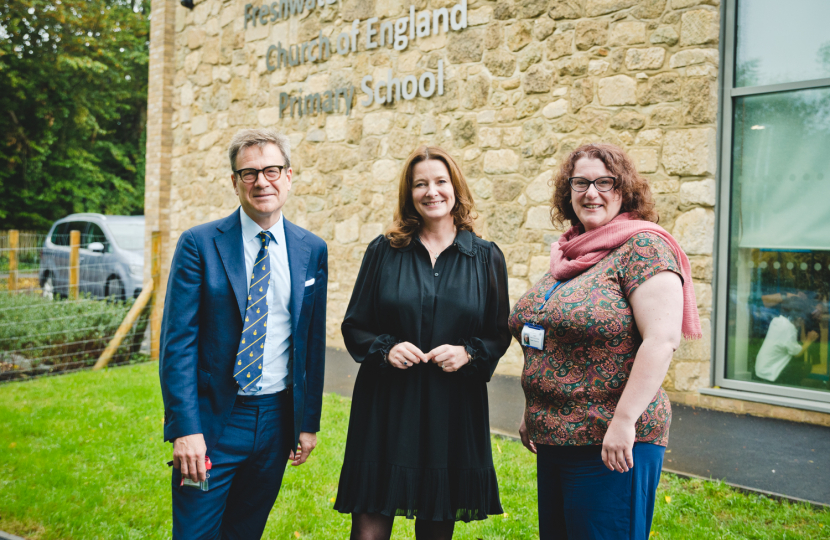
(250,229)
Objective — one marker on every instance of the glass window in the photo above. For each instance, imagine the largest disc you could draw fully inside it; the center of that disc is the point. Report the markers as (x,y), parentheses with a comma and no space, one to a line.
(128,236)
(59,237)
(780,42)
(94,234)
(776,226)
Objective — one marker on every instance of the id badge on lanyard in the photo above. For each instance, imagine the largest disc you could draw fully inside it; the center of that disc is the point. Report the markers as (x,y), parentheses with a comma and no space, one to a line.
(533,335)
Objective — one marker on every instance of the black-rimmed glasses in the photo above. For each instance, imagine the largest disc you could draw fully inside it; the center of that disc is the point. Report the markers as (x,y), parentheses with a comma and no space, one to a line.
(603,183)
(272,173)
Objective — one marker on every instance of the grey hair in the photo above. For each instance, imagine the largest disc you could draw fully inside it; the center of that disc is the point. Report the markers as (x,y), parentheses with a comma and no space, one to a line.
(259,137)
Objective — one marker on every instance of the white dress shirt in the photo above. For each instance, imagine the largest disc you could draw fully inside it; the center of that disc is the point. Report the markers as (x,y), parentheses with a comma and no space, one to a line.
(779,347)
(276,365)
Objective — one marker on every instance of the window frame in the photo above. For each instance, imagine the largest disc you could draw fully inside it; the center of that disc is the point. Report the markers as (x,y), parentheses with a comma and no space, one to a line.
(764,392)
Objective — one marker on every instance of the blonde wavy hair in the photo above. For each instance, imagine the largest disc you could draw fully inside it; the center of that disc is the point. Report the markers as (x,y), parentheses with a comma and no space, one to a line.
(408,222)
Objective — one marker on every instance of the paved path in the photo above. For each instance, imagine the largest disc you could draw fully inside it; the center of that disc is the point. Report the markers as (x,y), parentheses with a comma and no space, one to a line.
(776,456)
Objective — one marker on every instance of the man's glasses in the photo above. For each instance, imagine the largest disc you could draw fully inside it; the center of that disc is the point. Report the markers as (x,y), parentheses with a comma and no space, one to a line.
(603,183)
(272,173)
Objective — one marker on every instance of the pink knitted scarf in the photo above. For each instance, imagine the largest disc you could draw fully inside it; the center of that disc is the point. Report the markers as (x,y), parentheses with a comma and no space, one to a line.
(574,253)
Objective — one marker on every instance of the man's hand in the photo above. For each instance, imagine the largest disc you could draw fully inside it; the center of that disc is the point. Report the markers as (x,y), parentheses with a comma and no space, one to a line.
(308,441)
(189,456)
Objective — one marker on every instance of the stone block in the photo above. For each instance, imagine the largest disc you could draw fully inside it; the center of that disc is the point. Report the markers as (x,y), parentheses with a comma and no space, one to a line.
(316,135)
(695,231)
(466,46)
(542,28)
(370,231)
(539,266)
(601,7)
(594,120)
(581,93)
(512,136)
(463,132)
(199,125)
(690,152)
(700,192)
(479,16)
(538,217)
(519,270)
(566,9)
(531,55)
(650,137)
(575,66)
(336,127)
(660,183)
(476,91)
(385,170)
(537,80)
(628,119)
(541,189)
(556,109)
(643,59)
(691,57)
(348,231)
(500,63)
(698,349)
(559,45)
(698,27)
(589,33)
(518,35)
(270,116)
(507,190)
(649,9)
(489,137)
(659,88)
(666,207)
(690,375)
(503,222)
(700,101)
(664,35)
(597,67)
(501,162)
(378,123)
(617,90)
(645,159)
(486,117)
(664,116)
(628,33)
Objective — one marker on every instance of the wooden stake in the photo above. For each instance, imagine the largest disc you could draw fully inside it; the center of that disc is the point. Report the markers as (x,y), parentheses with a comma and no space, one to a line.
(126,325)
(74,263)
(155,314)
(14,238)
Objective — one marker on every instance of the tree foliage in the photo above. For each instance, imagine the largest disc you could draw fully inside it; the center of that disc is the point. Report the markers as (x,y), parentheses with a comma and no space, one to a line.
(73,99)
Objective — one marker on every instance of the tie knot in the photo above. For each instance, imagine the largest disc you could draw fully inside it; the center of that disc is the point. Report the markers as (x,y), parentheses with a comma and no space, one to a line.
(266,237)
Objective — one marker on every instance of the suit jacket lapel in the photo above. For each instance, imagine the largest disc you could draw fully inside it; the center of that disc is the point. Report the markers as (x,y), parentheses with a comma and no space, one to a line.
(298,256)
(229,246)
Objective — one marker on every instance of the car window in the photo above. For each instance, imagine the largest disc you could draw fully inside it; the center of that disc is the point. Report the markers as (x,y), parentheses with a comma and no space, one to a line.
(75,226)
(94,234)
(128,236)
(59,237)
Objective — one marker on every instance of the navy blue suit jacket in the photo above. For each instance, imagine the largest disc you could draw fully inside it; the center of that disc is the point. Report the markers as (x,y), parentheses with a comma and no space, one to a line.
(203,311)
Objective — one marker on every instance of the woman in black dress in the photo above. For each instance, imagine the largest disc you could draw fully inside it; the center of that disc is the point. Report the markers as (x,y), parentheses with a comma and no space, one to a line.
(427,321)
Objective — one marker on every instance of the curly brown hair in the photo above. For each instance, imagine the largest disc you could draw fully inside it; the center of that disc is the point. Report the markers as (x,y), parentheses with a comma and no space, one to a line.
(634,188)
(408,222)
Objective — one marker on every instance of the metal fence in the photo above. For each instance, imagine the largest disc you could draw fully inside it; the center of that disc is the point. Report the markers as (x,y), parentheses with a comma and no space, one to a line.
(65,323)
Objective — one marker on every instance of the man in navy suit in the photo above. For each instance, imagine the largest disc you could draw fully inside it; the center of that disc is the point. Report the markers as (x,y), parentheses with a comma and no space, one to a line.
(242,350)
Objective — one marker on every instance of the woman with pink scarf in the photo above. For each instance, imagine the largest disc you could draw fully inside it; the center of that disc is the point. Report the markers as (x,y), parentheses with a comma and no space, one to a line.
(598,332)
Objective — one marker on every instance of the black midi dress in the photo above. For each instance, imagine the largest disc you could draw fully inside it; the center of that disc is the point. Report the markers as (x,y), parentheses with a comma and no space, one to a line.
(419,439)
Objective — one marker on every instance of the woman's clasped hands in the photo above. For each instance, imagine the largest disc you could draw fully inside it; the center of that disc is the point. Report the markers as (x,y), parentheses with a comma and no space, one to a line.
(449,358)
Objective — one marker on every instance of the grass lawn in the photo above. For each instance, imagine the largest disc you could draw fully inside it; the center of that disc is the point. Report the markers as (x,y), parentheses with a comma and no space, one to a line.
(81,457)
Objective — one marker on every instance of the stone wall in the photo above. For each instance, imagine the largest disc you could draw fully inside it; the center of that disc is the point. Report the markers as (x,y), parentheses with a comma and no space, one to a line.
(526,82)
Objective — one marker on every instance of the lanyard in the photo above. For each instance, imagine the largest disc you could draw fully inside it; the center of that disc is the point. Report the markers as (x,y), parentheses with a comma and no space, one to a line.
(552,289)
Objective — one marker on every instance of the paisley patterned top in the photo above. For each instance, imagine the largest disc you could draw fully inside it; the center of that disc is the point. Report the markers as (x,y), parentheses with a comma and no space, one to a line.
(572,386)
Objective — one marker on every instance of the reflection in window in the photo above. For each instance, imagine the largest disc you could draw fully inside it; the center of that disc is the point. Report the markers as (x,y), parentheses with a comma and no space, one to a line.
(779,282)
(780,42)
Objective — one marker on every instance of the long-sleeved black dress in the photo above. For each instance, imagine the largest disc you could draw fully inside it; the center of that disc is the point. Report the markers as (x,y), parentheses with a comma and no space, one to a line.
(419,439)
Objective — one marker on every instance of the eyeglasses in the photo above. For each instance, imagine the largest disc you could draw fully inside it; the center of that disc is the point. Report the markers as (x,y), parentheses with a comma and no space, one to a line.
(603,183)
(272,173)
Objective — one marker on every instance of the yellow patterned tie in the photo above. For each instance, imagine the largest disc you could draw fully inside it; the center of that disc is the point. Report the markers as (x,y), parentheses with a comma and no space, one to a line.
(248,366)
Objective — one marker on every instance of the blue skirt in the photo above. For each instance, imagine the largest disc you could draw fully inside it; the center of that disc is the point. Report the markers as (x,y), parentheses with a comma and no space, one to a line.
(580,499)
